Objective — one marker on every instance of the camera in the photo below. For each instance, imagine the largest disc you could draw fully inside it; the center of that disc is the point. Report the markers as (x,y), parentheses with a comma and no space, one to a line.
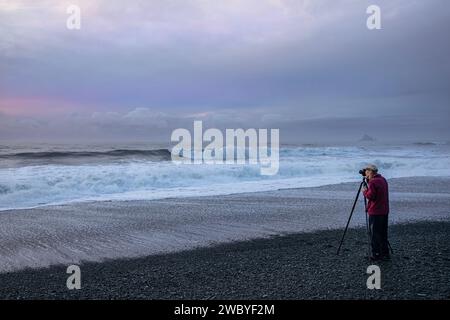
(362,172)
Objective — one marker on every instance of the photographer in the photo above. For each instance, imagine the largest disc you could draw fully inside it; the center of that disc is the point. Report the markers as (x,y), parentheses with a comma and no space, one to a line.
(377,194)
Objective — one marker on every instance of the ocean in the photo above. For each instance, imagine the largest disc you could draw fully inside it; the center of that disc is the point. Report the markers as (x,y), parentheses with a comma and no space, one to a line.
(46,174)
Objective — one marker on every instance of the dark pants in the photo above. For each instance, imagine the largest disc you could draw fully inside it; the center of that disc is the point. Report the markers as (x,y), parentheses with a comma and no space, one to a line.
(379,235)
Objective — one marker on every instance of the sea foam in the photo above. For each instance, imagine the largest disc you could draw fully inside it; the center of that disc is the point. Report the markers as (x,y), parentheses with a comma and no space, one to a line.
(149,175)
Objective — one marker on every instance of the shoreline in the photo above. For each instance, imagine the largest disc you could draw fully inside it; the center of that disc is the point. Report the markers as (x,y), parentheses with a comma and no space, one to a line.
(295,266)
(72,234)
(99,201)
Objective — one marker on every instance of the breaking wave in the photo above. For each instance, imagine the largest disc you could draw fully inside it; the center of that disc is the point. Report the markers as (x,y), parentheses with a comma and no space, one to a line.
(159,154)
(146,174)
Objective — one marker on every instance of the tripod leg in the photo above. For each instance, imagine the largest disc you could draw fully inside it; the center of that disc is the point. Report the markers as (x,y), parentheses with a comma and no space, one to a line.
(369,234)
(350,217)
(389,244)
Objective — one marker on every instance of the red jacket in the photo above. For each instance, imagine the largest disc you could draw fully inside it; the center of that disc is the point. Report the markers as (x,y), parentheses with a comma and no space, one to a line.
(378,196)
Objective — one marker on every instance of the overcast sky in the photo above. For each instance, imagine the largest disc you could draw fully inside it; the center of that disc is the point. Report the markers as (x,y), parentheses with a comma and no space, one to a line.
(138,69)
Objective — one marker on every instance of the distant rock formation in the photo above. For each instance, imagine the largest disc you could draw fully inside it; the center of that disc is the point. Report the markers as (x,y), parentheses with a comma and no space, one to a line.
(424,144)
(367,138)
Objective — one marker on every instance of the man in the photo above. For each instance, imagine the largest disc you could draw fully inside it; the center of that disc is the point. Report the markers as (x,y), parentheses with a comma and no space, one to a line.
(377,194)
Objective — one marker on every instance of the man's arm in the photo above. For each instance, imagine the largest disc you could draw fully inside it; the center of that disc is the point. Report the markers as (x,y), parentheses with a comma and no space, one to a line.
(371,192)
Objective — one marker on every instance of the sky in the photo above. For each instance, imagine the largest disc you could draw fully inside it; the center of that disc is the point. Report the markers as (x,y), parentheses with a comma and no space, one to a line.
(136,70)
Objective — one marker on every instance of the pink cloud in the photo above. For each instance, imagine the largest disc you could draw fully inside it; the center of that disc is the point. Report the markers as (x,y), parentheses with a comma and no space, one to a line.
(38,106)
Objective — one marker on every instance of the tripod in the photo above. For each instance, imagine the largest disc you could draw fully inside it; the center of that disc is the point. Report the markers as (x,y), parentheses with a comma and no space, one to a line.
(363,183)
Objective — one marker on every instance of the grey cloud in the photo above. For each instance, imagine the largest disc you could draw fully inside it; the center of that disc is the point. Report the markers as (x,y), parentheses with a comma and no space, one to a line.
(239,63)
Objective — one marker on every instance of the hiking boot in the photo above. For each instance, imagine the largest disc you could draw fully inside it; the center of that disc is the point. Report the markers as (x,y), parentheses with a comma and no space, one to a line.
(386,257)
(375,258)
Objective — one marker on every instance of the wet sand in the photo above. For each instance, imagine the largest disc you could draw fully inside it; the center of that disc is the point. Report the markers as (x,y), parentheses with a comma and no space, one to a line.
(96,231)
(113,234)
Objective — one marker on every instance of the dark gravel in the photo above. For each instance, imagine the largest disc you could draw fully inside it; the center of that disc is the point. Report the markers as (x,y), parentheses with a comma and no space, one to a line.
(298,266)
